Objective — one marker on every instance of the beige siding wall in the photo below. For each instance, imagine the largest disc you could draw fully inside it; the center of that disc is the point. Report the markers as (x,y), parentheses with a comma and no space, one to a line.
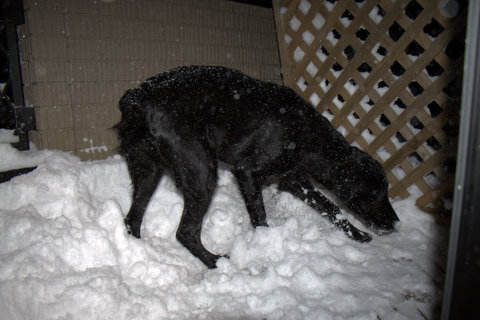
(79,56)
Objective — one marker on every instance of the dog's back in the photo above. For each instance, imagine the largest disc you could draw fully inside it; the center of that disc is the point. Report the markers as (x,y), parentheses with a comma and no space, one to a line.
(225,109)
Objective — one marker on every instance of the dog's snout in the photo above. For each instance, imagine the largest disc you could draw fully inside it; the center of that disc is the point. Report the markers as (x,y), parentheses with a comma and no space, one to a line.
(388,227)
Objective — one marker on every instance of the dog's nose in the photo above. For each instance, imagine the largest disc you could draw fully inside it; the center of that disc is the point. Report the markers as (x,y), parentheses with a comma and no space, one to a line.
(386,227)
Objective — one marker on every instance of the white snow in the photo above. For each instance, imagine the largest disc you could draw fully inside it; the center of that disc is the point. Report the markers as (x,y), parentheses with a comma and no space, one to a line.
(368,136)
(304,6)
(331,37)
(364,103)
(350,87)
(298,54)
(324,85)
(312,69)
(314,99)
(380,90)
(375,53)
(6,136)
(308,37)
(320,55)
(301,84)
(329,5)
(294,23)
(352,119)
(337,102)
(375,15)
(345,21)
(318,21)
(65,254)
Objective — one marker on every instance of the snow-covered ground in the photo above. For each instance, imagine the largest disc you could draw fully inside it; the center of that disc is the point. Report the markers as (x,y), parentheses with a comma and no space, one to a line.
(65,254)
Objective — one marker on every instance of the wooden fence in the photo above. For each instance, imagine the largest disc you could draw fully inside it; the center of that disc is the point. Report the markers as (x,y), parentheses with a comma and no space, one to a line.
(387,74)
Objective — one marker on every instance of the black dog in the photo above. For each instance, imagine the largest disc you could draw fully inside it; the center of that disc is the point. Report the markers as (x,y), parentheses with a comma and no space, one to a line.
(187,119)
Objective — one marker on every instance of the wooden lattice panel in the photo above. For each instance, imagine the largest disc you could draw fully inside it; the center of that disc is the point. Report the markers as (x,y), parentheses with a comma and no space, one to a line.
(387,74)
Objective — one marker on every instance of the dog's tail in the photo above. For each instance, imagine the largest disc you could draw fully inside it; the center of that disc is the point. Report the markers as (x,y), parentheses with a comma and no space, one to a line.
(7,175)
(131,100)
(130,106)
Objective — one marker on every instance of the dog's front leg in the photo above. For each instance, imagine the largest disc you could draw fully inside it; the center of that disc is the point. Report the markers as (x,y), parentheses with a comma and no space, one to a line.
(303,189)
(251,190)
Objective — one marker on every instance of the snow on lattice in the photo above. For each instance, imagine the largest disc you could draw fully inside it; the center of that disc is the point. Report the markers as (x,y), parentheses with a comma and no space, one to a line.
(321,55)
(399,173)
(287,38)
(379,123)
(364,103)
(304,6)
(352,119)
(414,189)
(394,106)
(314,99)
(375,15)
(383,153)
(328,114)
(331,38)
(336,74)
(295,23)
(336,101)
(312,69)
(345,21)
(324,85)
(342,130)
(350,87)
(381,66)
(318,21)
(375,53)
(429,148)
(301,84)
(329,5)
(396,142)
(414,161)
(308,37)
(355,144)
(432,180)
(381,87)
(368,136)
(412,128)
(298,54)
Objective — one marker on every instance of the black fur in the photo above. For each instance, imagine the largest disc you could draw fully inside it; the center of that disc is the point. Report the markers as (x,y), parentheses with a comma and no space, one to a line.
(188,119)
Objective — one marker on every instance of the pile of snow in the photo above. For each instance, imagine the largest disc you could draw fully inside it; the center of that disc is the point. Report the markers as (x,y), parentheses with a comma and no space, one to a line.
(65,254)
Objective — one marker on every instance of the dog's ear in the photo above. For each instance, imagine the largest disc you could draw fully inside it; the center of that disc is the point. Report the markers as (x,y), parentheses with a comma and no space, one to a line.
(347,184)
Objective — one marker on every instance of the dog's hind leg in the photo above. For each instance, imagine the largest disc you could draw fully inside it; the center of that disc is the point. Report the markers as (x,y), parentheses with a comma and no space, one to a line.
(251,190)
(196,177)
(145,174)
(300,186)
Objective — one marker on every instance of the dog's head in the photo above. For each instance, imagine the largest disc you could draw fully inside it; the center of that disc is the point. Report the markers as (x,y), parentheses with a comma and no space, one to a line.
(363,187)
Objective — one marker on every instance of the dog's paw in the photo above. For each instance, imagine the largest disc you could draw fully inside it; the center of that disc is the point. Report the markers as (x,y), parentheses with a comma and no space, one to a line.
(361,236)
(211,260)
(262,223)
(352,232)
(132,228)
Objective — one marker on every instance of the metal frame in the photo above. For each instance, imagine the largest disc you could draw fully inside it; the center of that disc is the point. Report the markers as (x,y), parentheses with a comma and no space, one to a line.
(462,284)
(13,15)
